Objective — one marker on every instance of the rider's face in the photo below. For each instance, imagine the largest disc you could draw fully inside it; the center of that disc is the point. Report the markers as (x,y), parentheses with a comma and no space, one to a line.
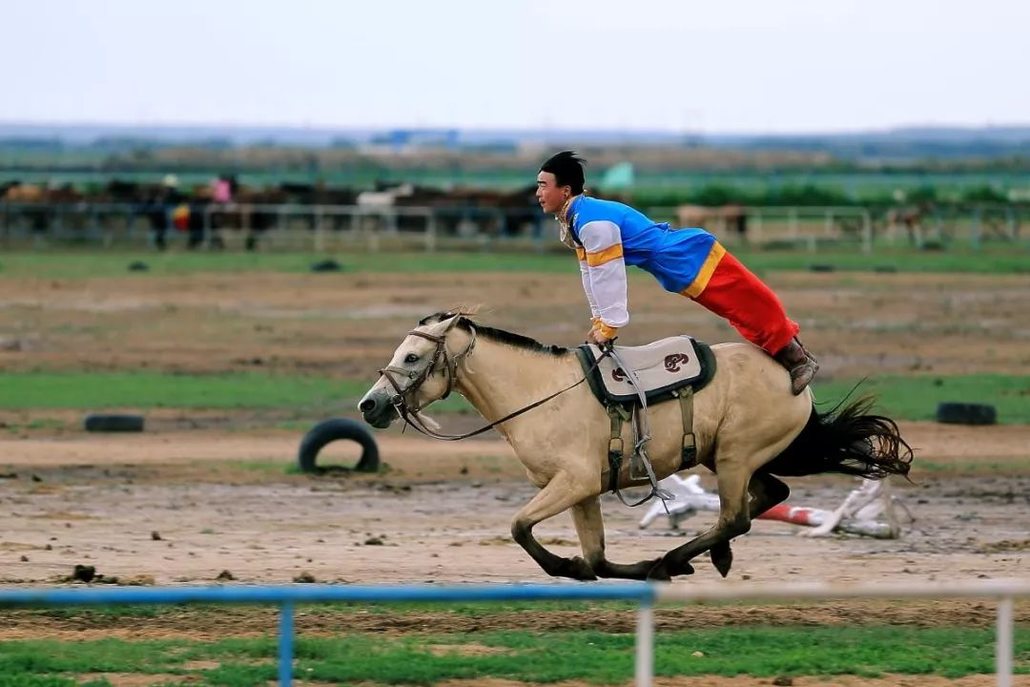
(549,194)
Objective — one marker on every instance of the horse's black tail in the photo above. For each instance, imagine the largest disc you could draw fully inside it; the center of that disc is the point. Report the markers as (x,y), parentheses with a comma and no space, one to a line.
(848,440)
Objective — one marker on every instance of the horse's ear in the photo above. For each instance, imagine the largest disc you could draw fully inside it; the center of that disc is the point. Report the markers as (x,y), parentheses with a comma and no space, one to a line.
(440,324)
(438,317)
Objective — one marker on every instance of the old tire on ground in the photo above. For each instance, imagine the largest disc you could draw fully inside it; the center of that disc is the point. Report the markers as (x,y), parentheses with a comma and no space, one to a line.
(333,430)
(967,413)
(113,423)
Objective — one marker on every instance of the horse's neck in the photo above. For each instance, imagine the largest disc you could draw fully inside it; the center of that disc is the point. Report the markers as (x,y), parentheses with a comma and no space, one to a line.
(499,379)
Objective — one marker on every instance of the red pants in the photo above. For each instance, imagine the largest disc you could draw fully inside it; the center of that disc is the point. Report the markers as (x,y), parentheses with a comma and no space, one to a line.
(735,293)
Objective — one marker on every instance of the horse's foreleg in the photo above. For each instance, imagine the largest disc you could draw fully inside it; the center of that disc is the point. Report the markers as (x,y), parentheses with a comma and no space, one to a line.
(558,495)
(734,520)
(590,527)
(766,491)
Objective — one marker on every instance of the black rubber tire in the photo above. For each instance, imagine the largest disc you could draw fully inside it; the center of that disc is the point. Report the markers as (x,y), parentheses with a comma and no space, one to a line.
(113,423)
(332,430)
(967,413)
(329,265)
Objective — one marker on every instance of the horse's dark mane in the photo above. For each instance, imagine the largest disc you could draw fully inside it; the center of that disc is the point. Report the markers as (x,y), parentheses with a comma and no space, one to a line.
(494,334)
(512,339)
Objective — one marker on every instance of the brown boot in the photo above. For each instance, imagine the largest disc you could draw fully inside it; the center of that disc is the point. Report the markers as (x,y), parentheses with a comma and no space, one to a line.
(800,363)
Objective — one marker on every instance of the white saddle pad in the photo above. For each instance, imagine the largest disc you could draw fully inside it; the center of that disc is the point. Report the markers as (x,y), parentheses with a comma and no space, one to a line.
(660,365)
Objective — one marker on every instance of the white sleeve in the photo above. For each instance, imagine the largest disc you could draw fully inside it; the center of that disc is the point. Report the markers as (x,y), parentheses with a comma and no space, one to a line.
(587,288)
(606,271)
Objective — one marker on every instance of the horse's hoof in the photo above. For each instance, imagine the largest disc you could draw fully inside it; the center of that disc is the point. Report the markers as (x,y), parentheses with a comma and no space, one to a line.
(662,571)
(577,569)
(658,573)
(685,569)
(723,561)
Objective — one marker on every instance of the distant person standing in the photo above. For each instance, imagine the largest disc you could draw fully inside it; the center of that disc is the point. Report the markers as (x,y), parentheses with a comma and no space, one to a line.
(607,236)
(161,210)
(221,190)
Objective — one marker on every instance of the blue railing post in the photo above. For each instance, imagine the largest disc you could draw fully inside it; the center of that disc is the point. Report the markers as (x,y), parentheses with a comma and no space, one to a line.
(286,644)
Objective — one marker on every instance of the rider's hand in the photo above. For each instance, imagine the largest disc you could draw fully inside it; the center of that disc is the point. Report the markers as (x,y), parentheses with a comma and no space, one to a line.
(601,334)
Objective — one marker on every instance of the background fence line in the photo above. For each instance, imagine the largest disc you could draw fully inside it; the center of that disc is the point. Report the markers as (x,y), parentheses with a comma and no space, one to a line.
(318,225)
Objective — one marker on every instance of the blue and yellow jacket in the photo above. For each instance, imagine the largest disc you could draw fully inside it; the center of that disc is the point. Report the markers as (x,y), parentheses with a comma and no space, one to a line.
(608,235)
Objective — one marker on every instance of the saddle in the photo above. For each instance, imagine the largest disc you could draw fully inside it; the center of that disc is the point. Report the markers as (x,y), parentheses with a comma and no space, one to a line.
(662,368)
(670,368)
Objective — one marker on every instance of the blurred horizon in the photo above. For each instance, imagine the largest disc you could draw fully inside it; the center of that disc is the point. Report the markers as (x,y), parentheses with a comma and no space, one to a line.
(740,67)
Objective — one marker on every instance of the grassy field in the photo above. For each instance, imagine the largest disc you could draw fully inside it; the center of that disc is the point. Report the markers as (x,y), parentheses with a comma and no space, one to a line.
(995,259)
(903,398)
(594,657)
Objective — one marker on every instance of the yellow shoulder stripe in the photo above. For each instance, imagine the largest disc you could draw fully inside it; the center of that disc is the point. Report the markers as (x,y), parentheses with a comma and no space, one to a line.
(606,255)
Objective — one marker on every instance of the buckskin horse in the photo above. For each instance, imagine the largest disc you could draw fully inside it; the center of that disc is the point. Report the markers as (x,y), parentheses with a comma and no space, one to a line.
(747,428)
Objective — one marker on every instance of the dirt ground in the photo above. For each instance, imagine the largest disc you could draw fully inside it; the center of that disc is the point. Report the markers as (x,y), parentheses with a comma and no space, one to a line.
(207,492)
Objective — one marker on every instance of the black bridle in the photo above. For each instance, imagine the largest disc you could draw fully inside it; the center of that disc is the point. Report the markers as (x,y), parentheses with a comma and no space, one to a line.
(450,363)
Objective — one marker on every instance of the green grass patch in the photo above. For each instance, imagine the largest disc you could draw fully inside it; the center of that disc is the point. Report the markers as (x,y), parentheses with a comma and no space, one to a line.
(903,398)
(977,466)
(24,390)
(142,390)
(994,259)
(990,260)
(593,657)
(85,265)
(916,398)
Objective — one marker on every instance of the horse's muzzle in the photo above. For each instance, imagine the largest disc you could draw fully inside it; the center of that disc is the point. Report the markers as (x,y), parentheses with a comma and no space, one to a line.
(377,410)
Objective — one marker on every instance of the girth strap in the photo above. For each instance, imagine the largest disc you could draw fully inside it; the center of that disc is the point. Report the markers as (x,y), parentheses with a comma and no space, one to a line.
(617,415)
(688,455)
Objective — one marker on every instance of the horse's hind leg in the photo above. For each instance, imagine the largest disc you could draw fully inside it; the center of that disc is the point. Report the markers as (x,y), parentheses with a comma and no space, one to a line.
(560,494)
(590,527)
(734,519)
(766,492)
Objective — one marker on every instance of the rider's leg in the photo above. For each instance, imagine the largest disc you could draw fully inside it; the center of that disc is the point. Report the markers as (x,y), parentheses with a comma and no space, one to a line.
(735,293)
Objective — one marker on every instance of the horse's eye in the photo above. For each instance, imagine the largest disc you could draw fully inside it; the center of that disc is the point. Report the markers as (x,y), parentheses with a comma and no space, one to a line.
(411,358)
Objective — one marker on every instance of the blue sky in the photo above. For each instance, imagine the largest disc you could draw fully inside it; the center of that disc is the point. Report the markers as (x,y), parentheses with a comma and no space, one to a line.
(724,66)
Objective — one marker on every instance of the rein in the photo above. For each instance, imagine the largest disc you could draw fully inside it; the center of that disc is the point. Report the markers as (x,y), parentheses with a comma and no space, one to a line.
(451,363)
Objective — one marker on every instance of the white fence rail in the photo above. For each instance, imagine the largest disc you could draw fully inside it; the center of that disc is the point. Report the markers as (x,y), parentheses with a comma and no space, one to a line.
(1003,591)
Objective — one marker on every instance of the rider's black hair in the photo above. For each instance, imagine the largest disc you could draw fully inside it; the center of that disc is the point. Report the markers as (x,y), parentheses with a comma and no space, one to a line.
(567,168)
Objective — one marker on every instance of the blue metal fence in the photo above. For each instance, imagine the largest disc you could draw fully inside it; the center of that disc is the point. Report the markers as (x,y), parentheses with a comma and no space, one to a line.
(644,594)
(287,596)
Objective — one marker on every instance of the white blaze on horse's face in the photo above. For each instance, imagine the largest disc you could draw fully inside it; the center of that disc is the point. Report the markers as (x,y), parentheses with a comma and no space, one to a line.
(407,368)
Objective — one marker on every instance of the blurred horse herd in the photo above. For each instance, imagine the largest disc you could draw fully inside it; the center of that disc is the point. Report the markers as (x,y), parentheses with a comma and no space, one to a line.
(165,207)
(205,213)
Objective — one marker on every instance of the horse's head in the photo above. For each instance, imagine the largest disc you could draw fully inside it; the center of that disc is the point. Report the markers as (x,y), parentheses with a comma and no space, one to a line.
(421,371)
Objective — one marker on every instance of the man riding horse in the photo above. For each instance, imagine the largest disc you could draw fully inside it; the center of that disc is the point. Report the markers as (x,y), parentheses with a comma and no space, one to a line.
(607,236)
